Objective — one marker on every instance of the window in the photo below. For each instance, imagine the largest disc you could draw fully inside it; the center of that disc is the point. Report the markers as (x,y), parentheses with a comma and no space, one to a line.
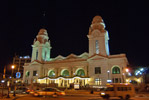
(51,73)
(116,70)
(125,88)
(122,88)
(97,70)
(98,81)
(109,89)
(27,74)
(116,80)
(80,72)
(36,54)
(120,80)
(97,46)
(34,73)
(65,73)
(129,88)
(119,88)
(45,56)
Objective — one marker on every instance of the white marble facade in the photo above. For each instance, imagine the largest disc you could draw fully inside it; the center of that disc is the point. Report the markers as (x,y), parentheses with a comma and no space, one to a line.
(95,68)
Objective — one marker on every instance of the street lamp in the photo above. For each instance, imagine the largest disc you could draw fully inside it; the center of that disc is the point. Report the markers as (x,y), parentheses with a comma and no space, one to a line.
(12,67)
(127,70)
(2,81)
(108,81)
(108,74)
(8,85)
(125,74)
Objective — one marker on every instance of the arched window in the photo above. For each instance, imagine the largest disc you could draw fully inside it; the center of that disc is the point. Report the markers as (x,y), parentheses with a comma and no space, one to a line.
(115,70)
(97,46)
(80,72)
(36,54)
(27,73)
(51,73)
(65,73)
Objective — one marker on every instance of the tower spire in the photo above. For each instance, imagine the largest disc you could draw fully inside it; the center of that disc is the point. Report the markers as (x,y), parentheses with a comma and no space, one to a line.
(44,19)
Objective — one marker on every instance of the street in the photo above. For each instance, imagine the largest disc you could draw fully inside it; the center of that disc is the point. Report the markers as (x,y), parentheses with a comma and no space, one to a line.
(72,97)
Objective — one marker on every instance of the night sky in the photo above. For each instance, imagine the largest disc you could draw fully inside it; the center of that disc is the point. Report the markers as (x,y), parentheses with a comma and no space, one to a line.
(67,23)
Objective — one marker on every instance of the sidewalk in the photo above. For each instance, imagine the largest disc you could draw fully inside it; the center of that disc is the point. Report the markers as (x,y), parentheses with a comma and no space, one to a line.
(11,97)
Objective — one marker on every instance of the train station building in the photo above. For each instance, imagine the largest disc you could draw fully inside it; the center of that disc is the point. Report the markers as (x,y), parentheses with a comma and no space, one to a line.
(94,68)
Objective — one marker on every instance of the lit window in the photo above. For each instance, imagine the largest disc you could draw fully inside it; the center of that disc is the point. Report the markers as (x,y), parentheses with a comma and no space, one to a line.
(115,70)
(65,73)
(80,72)
(98,81)
(27,73)
(52,74)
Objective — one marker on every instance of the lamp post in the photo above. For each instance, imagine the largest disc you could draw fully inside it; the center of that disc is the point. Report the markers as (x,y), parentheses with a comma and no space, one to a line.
(8,84)
(12,67)
(108,81)
(2,81)
(108,74)
(124,74)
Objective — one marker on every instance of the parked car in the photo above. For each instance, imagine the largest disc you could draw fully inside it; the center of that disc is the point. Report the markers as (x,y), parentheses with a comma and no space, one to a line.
(20,90)
(30,91)
(49,91)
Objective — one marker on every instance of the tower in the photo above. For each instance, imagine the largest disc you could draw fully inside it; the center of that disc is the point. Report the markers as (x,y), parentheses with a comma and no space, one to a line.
(41,47)
(98,37)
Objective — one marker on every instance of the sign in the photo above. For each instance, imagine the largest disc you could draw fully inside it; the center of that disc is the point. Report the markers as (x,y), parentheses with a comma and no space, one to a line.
(18,75)
(109,81)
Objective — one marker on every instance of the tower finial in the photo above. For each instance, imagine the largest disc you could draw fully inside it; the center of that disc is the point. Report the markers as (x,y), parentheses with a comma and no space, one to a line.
(44,19)
(44,13)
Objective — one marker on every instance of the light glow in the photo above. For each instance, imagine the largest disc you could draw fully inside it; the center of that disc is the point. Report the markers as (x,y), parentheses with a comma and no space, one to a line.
(102,93)
(12,66)
(141,69)
(127,70)
(109,81)
(62,78)
(138,80)
(127,80)
(2,81)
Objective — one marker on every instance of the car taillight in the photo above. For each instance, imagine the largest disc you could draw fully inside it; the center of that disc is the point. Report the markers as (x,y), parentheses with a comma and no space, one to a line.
(28,90)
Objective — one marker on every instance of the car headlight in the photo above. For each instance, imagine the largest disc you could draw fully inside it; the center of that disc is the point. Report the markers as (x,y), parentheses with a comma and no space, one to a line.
(62,93)
(102,93)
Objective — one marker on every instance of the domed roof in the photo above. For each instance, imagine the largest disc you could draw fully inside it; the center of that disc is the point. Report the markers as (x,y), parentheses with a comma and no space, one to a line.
(43,32)
(42,36)
(97,19)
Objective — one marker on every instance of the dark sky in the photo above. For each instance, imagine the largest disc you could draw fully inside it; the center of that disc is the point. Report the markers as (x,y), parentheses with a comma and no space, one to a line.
(67,23)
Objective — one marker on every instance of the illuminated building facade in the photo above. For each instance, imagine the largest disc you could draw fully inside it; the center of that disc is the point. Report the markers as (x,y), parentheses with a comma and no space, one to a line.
(94,68)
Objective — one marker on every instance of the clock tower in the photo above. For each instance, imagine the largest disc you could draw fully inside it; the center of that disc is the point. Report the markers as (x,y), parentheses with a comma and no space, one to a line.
(41,47)
(98,37)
